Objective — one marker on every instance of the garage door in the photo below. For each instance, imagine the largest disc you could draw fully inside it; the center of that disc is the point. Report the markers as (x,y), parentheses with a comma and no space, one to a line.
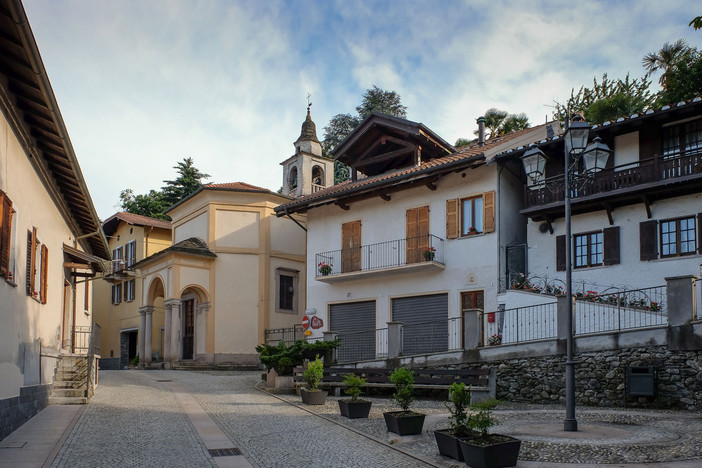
(355,323)
(426,323)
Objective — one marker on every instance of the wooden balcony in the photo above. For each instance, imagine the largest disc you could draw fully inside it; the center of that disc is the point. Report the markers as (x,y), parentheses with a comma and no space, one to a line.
(641,182)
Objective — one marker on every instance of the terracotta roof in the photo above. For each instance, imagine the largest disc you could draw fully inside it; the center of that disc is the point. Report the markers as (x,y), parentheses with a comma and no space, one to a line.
(236,186)
(468,156)
(193,246)
(137,220)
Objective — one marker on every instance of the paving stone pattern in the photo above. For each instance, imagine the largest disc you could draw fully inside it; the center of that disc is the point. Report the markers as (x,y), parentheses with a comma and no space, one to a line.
(133,421)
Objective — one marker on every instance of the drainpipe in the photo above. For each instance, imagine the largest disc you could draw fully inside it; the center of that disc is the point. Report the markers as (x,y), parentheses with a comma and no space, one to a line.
(481,130)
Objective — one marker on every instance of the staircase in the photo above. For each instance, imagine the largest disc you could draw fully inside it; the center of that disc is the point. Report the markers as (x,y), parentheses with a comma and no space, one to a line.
(71,381)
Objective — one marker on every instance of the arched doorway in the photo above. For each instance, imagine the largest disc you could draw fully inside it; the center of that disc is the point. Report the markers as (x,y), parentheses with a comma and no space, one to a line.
(193,301)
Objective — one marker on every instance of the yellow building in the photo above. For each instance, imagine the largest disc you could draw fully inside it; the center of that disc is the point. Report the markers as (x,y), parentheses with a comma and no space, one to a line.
(51,244)
(233,271)
(131,238)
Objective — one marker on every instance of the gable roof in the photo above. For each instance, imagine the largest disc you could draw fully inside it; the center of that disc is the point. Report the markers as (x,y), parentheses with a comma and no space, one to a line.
(192,246)
(28,102)
(427,173)
(109,226)
(228,187)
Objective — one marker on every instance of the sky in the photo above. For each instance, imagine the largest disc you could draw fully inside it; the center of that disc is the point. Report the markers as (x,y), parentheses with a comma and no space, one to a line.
(143,84)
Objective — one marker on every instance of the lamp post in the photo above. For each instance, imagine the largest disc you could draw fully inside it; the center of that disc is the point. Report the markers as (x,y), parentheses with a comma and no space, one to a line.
(595,159)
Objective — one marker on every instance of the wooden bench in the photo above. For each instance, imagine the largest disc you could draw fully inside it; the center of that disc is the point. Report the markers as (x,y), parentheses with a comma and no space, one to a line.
(482,381)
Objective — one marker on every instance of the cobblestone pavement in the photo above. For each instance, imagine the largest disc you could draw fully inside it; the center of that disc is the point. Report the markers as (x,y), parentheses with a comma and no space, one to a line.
(133,421)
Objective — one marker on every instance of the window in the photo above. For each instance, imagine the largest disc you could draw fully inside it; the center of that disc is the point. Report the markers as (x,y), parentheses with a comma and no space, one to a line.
(286,285)
(7,239)
(117,260)
(680,141)
(588,250)
(470,215)
(677,237)
(129,291)
(317,176)
(116,293)
(292,178)
(130,253)
(37,267)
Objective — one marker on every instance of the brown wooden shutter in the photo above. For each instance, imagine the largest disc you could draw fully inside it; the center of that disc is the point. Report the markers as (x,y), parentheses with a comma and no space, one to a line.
(489,211)
(699,233)
(452,224)
(411,228)
(5,233)
(44,273)
(423,229)
(560,253)
(124,292)
(351,246)
(86,299)
(610,239)
(648,240)
(31,259)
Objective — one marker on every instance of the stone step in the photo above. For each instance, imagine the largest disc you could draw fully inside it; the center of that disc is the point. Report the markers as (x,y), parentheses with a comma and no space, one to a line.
(69,384)
(68,392)
(68,400)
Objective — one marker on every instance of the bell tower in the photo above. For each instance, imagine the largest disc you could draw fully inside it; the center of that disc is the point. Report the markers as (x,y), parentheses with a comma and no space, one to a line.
(307,171)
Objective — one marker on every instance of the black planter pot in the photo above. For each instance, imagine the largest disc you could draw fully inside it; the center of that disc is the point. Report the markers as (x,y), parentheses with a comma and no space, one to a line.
(448,444)
(404,422)
(317,397)
(491,456)
(355,409)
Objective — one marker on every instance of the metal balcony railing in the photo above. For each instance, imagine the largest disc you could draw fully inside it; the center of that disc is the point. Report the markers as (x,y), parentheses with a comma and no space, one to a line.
(383,255)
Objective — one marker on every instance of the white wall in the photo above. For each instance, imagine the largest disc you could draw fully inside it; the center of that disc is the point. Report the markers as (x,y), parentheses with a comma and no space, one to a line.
(193,227)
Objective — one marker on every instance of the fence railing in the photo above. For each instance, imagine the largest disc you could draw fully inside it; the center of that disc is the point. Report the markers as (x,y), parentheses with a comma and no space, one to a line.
(432,337)
(286,335)
(363,345)
(621,310)
(519,325)
(387,254)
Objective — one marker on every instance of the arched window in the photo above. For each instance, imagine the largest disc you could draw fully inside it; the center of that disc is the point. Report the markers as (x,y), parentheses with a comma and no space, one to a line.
(292,178)
(317,175)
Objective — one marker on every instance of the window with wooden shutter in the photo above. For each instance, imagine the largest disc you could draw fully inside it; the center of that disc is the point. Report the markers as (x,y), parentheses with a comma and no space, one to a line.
(5,234)
(86,298)
(452,218)
(648,240)
(417,233)
(560,253)
(44,274)
(611,245)
(31,262)
(489,211)
(351,246)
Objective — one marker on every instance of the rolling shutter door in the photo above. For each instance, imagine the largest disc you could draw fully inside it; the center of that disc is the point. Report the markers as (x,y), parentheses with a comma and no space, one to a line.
(355,324)
(429,311)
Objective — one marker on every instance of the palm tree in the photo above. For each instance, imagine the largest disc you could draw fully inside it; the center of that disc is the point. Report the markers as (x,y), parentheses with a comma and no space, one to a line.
(494,119)
(664,58)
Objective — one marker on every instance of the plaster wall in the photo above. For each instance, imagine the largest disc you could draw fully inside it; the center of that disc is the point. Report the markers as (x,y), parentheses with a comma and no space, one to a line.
(288,237)
(234,228)
(192,227)
(467,258)
(626,150)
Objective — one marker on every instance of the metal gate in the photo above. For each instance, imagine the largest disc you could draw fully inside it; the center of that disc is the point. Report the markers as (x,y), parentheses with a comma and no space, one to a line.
(425,321)
(355,324)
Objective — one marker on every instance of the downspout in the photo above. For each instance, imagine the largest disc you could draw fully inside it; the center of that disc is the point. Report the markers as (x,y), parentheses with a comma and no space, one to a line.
(498,226)
(294,220)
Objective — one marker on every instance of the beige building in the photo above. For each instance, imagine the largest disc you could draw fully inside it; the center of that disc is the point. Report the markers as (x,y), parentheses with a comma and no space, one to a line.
(131,238)
(233,271)
(51,244)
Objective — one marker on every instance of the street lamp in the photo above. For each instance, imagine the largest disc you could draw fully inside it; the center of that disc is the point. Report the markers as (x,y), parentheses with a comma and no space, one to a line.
(594,159)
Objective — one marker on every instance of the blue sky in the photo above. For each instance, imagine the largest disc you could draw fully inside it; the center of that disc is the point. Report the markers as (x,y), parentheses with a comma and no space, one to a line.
(143,84)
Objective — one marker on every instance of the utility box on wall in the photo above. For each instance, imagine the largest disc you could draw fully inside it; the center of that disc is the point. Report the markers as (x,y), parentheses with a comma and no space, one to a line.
(640,381)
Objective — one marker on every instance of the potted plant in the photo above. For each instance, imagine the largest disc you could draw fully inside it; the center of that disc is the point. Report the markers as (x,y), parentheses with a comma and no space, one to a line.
(447,439)
(429,254)
(404,422)
(311,394)
(495,339)
(324,269)
(488,450)
(354,407)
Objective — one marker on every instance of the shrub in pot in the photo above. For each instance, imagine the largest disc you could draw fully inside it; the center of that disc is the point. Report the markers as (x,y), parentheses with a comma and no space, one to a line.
(488,450)
(354,407)
(311,394)
(404,422)
(447,439)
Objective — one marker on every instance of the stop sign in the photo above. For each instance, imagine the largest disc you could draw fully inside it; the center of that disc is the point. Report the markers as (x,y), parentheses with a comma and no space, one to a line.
(305,322)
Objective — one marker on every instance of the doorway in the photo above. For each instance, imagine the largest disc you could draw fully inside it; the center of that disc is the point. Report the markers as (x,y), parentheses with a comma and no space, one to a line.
(471,300)
(188,328)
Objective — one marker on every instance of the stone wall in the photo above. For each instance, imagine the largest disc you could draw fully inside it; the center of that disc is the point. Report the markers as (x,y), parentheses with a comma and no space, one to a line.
(15,411)
(600,378)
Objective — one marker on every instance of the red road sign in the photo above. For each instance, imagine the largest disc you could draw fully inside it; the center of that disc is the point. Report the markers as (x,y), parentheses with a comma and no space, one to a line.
(305,322)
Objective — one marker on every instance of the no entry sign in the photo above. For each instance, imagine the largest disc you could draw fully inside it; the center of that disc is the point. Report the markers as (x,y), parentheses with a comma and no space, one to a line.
(305,322)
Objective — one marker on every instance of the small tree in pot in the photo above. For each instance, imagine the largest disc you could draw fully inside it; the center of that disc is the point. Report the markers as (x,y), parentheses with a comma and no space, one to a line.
(311,394)
(447,439)
(403,422)
(354,407)
(488,450)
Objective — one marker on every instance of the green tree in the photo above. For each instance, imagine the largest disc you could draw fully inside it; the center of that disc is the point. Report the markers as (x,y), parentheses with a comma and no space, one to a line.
(462,142)
(155,203)
(341,125)
(499,122)
(664,59)
(696,22)
(683,78)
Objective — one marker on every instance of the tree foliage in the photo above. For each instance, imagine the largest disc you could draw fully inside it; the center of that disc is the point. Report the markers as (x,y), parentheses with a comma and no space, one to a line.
(499,122)
(341,125)
(155,203)
(664,59)
(683,79)
(696,22)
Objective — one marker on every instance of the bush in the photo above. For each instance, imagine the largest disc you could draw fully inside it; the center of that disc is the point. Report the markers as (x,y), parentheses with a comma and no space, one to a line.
(483,419)
(404,387)
(283,358)
(459,399)
(353,383)
(313,374)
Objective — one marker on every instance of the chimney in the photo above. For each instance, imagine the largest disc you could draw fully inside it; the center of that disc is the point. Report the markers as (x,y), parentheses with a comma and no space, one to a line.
(481,131)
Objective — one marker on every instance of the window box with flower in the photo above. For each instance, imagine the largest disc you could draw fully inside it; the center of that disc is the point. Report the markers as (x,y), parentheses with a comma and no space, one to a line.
(429,254)
(495,339)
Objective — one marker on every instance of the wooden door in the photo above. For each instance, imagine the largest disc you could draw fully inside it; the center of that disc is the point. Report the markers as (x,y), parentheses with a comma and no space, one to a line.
(417,233)
(351,246)
(188,328)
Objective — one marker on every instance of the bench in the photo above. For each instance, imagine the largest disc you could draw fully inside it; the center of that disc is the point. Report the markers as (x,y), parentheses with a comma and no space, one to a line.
(482,381)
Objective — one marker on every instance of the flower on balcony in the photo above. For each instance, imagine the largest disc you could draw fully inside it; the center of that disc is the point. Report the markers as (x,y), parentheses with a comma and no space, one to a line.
(655,307)
(35,294)
(495,339)
(429,253)
(324,269)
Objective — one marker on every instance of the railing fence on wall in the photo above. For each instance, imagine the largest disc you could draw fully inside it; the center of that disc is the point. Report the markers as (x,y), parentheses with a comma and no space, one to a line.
(520,324)
(287,335)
